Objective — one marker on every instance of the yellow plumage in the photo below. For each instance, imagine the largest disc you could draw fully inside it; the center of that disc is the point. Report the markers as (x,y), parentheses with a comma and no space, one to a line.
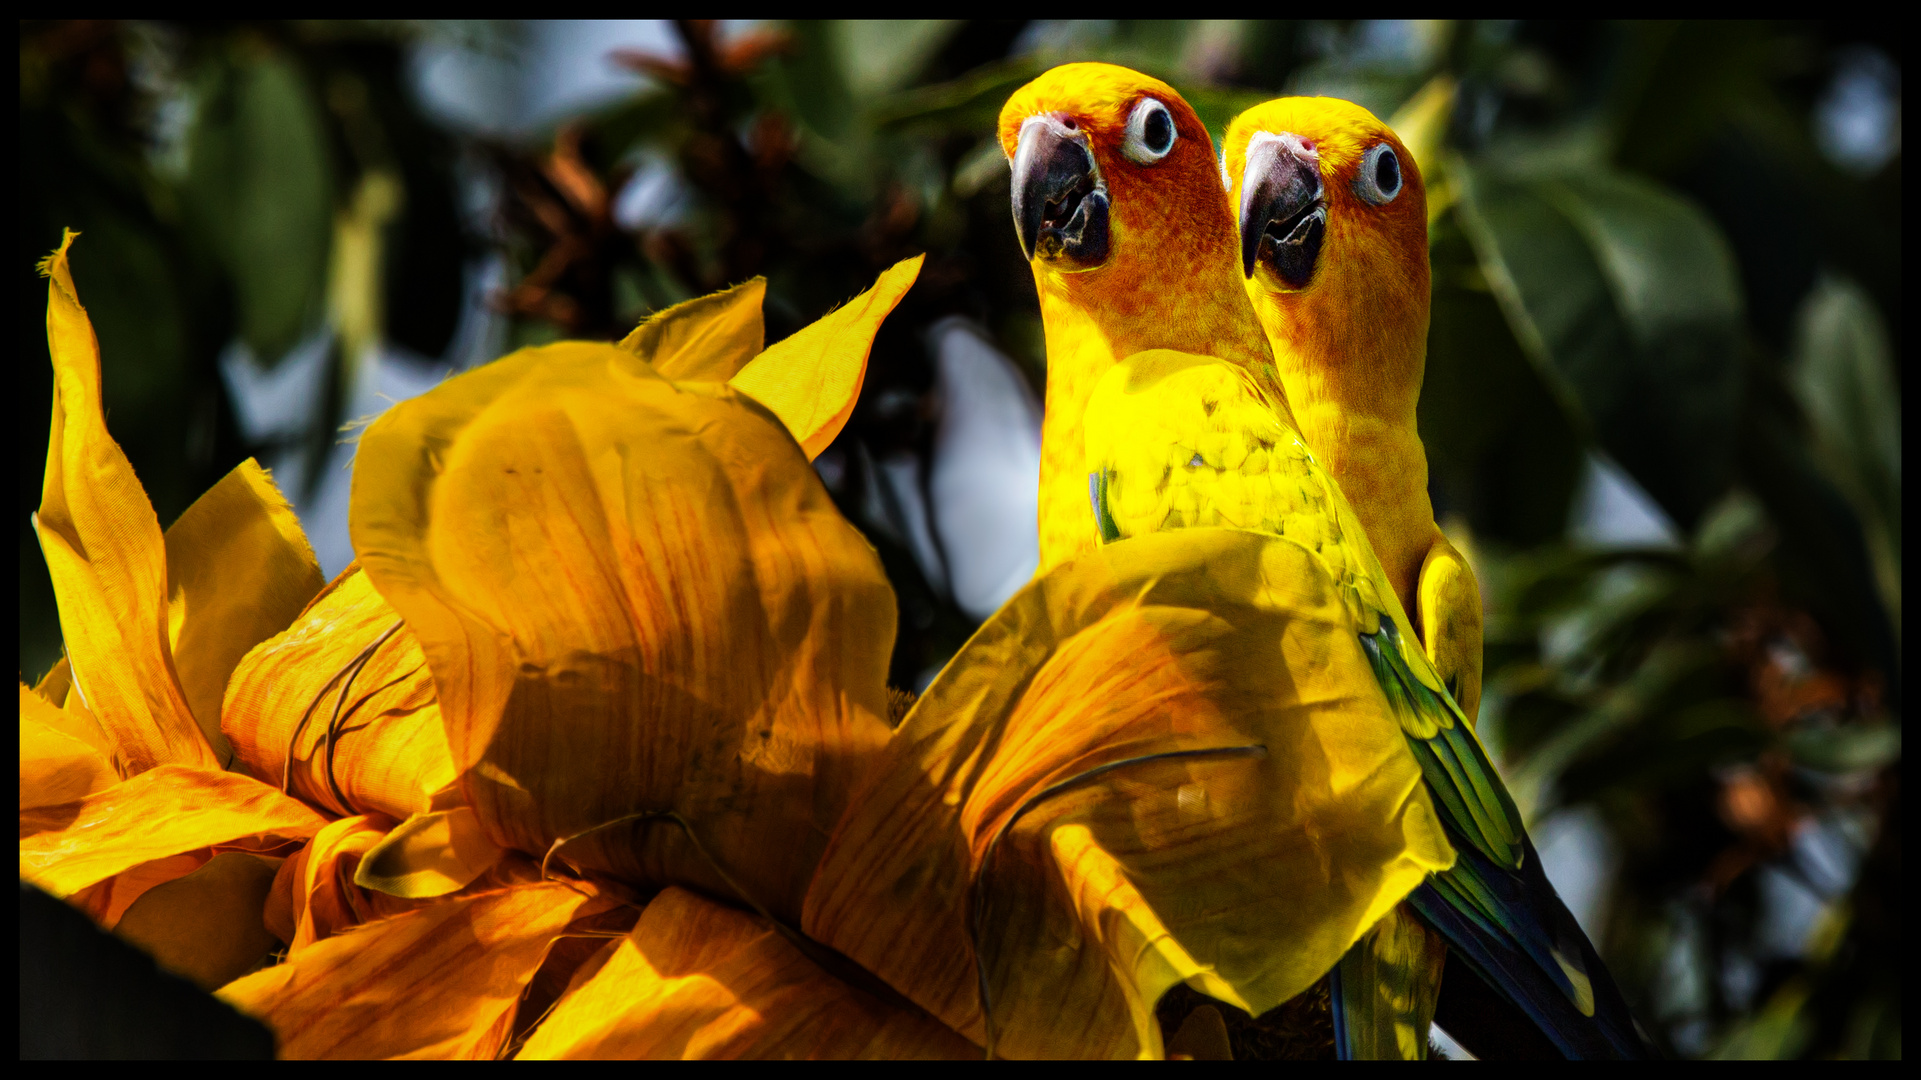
(1350,343)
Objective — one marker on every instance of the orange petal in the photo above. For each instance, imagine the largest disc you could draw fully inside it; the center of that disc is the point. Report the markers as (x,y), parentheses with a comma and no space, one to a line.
(206,926)
(105,554)
(57,766)
(636,597)
(164,811)
(812,379)
(349,666)
(440,981)
(322,897)
(706,339)
(1288,819)
(697,980)
(238,569)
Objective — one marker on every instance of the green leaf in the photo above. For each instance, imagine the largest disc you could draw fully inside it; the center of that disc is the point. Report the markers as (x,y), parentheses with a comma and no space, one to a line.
(1627,300)
(1842,375)
(259,188)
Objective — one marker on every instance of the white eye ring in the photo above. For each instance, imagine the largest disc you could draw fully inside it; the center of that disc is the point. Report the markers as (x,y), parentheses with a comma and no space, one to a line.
(1379,179)
(1150,132)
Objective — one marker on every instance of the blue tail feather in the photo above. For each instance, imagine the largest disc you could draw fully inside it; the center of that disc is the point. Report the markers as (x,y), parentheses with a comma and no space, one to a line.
(1515,957)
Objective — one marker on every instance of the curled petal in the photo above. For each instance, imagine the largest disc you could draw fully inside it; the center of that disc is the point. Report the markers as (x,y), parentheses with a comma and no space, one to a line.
(697,980)
(341,708)
(313,897)
(165,811)
(430,854)
(1165,761)
(440,981)
(812,379)
(105,554)
(635,597)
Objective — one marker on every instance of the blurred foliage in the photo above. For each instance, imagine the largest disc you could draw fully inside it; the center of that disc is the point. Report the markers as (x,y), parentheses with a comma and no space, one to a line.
(1640,252)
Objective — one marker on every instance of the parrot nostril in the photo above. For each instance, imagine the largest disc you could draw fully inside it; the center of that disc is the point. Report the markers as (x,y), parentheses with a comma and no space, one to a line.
(1070,124)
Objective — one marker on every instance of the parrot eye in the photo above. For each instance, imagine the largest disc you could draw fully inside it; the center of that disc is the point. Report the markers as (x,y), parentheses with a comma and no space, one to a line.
(1150,132)
(1379,178)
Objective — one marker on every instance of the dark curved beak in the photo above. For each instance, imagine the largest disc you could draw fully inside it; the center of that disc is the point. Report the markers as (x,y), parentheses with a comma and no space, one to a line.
(1283,209)
(1060,202)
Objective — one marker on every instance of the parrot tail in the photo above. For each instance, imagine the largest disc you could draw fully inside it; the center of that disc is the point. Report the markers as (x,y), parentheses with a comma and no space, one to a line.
(1512,929)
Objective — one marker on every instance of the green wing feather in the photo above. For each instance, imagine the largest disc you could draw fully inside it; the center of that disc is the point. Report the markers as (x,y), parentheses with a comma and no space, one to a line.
(1473,798)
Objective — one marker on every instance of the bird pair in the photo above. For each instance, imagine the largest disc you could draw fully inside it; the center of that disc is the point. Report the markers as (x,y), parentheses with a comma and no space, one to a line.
(1239,342)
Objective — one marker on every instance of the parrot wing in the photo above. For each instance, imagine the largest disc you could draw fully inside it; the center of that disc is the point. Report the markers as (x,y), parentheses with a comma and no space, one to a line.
(1176,440)
(1449,604)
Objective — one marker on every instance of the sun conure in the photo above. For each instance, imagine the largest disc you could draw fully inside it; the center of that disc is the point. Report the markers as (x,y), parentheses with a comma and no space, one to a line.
(1332,214)
(1333,228)
(1165,411)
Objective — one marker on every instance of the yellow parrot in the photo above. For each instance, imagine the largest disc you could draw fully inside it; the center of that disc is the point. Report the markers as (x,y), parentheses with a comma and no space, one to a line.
(1165,410)
(1333,227)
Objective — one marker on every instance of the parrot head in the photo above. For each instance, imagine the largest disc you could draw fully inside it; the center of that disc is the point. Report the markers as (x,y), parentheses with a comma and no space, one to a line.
(1332,217)
(1120,211)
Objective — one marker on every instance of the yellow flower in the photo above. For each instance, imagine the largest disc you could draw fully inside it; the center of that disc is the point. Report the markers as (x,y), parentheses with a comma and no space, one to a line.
(600,720)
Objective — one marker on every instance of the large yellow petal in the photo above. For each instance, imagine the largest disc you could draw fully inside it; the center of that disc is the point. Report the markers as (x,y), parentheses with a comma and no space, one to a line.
(695,980)
(812,379)
(1165,761)
(706,339)
(162,812)
(636,598)
(57,766)
(238,570)
(105,554)
(441,981)
(347,666)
